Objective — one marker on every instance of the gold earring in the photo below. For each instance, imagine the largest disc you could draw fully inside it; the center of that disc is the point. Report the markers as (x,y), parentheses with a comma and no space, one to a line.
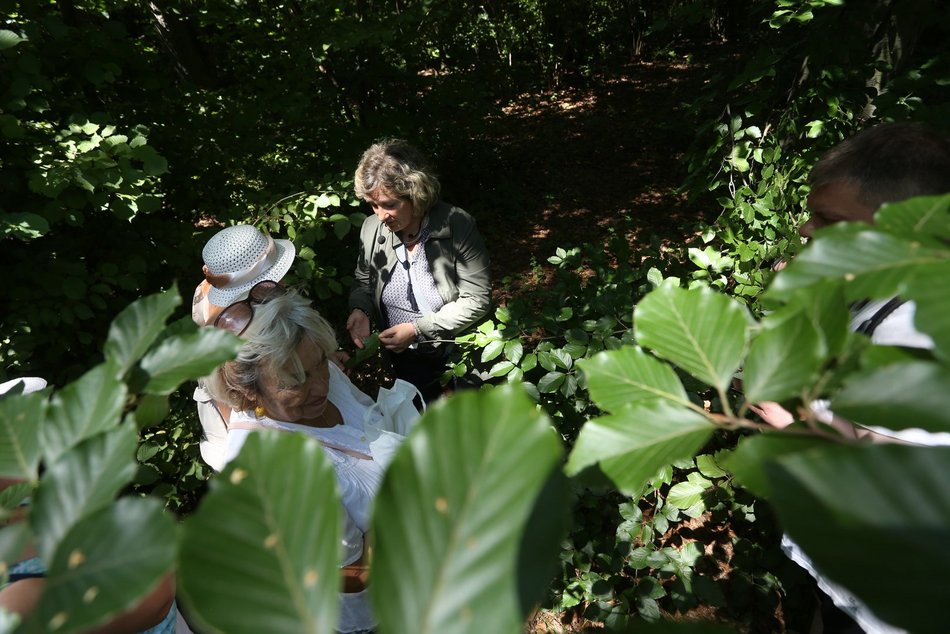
(260,412)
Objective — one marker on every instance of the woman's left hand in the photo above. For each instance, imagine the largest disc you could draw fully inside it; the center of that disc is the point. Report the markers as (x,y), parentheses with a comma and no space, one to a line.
(398,337)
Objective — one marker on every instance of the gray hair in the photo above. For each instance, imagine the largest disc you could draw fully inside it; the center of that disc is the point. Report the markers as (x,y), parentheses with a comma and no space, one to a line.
(271,340)
(400,168)
(889,163)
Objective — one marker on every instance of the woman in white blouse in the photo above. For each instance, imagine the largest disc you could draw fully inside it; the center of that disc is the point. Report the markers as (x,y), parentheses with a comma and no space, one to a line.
(281,379)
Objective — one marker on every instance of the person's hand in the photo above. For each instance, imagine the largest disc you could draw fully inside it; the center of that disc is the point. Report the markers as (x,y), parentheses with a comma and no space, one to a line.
(773,414)
(398,337)
(339,358)
(358,327)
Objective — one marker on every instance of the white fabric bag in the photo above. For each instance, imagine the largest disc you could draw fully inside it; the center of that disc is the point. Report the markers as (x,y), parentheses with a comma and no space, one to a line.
(390,419)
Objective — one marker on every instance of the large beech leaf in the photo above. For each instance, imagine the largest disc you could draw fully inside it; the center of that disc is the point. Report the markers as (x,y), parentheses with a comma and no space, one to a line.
(700,330)
(22,418)
(870,517)
(136,327)
(917,217)
(930,290)
(618,378)
(873,264)
(452,512)
(184,357)
(106,564)
(84,408)
(636,442)
(13,539)
(825,305)
(83,480)
(782,359)
(747,461)
(9,39)
(898,396)
(271,522)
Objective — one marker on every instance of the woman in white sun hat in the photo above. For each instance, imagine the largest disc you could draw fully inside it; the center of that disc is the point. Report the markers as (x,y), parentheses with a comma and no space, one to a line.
(235,259)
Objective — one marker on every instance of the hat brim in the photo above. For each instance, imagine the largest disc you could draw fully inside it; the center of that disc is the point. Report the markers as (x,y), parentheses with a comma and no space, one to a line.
(30,384)
(285,258)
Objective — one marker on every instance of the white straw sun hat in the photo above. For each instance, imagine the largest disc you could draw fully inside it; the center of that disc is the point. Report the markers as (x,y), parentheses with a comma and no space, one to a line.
(238,257)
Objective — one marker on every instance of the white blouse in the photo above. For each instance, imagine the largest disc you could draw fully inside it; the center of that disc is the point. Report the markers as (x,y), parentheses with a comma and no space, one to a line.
(358,479)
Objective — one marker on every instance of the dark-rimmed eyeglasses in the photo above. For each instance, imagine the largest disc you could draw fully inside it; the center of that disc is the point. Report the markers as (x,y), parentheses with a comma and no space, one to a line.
(237,317)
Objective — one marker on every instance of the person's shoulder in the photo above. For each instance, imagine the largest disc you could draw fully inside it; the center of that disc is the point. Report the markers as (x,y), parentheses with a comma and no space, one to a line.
(371,222)
(370,227)
(447,215)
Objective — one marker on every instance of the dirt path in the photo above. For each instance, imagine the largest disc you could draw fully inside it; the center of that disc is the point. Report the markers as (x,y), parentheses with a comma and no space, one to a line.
(557,170)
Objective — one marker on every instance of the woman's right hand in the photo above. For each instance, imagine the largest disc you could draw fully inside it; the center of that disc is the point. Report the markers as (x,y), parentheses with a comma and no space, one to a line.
(358,326)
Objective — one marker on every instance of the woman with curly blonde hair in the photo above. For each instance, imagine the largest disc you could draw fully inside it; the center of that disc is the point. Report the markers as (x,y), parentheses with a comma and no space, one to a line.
(423,270)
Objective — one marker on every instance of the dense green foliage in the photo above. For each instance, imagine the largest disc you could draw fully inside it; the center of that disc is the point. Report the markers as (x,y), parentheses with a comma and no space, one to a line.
(168,119)
(484,520)
(797,92)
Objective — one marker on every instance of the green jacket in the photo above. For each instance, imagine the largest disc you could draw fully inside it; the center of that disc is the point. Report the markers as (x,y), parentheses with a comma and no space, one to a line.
(457,258)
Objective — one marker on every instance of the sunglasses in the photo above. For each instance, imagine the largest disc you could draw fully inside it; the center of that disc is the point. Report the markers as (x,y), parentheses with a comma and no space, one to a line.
(237,317)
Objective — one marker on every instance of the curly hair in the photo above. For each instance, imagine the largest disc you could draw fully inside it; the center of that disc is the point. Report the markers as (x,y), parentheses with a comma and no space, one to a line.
(401,169)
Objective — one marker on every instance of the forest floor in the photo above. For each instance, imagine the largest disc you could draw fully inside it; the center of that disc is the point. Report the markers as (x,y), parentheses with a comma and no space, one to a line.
(568,166)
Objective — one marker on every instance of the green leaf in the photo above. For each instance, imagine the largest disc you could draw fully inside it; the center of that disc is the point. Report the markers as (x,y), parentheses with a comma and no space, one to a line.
(136,327)
(930,290)
(183,357)
(636,442)
(699,330)
(252,525)
(550,382)
(492,350)
(106,564)
(12,496)
(150,410)
(708,466)
(9,39)
(562,359)
(83,480)
(24,225)
(618,378)
(916,218)
(74,287)
(872,264)
(22,418)
(467,535)
(13,539)
(501,369)
(685,494)
(783,358)
(840,503)
(153,163)
(84,408)
(898,396)
(514,350)
(748,460)
(341,228)
(369,349)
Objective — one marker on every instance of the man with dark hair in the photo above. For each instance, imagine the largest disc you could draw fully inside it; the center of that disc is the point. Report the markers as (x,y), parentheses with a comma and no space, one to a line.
(888,163)
(884,164)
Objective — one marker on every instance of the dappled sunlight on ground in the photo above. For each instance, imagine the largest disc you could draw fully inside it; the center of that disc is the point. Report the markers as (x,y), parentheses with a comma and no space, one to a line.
(569,167)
